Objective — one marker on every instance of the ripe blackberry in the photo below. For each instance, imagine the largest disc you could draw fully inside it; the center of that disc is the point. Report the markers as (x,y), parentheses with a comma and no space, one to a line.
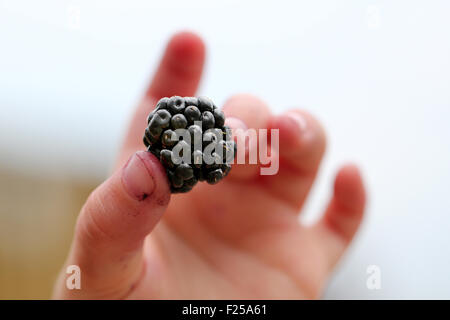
(178,125)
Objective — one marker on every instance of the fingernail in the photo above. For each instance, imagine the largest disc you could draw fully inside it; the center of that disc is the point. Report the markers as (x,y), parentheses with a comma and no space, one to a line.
(137,179)
(299,120)
(235,123)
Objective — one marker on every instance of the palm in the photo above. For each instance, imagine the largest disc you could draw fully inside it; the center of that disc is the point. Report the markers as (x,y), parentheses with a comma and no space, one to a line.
(227,247)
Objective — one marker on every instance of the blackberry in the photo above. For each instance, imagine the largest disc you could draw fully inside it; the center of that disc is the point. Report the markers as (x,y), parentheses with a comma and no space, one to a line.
(190,139)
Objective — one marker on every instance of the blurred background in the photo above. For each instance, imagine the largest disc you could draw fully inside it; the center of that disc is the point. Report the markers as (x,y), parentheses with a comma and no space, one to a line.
(376,73)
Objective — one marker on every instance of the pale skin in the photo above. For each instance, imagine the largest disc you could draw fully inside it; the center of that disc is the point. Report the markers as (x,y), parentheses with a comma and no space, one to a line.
(238,239)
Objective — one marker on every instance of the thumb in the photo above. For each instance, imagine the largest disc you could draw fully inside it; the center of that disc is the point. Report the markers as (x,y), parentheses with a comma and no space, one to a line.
(111,229)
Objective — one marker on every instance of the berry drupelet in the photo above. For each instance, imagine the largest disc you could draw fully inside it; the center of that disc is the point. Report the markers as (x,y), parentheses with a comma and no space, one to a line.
(177,125)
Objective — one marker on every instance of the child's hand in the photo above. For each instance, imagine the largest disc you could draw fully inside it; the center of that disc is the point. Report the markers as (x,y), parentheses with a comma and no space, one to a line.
(238,239)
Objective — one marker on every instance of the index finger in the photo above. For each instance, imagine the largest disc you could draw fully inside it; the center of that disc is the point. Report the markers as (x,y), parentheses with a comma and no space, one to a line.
(179,73)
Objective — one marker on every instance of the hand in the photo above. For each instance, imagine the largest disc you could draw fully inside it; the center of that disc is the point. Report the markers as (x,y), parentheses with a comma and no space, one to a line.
(240,238)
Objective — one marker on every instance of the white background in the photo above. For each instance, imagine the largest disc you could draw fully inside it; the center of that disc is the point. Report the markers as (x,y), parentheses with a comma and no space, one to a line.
(376,73)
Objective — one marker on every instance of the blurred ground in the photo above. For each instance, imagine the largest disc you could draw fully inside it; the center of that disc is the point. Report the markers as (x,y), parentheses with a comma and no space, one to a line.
(36,226)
